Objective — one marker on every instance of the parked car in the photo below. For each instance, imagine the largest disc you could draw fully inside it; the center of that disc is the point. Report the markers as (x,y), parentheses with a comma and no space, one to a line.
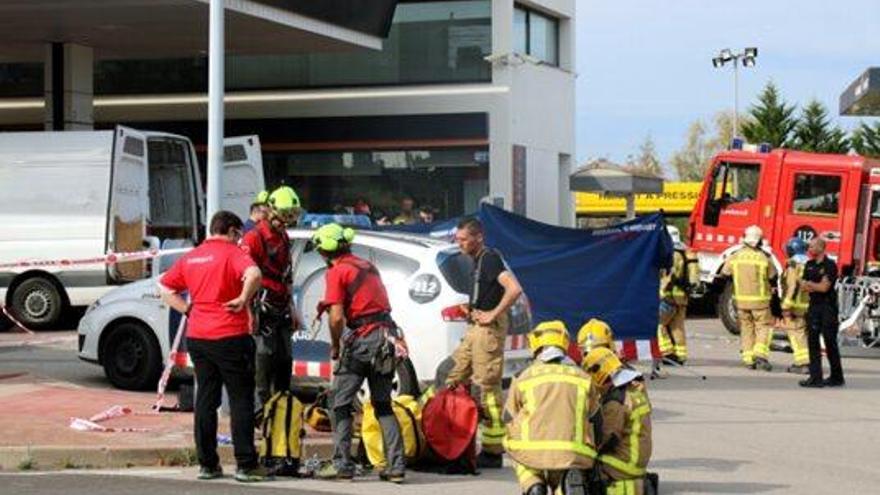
(129,331)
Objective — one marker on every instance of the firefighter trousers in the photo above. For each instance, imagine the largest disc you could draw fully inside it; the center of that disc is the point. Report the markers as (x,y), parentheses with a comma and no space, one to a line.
(479,359)
(755,333)
(671,336)
(796,329)
(626,487)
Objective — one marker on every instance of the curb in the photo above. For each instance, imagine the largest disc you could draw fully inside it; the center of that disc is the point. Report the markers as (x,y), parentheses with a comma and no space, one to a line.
(47,458)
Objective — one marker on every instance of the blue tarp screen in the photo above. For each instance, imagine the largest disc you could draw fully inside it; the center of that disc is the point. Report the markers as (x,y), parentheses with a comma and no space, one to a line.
(574,274)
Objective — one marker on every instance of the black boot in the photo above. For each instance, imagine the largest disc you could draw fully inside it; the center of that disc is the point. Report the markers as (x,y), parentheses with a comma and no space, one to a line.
(537,489)
(489,461)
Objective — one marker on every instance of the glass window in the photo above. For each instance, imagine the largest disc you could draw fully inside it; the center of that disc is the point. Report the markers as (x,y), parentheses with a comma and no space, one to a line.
(520,31)
(737,182)
(18,79)
(536,34)
(816,194)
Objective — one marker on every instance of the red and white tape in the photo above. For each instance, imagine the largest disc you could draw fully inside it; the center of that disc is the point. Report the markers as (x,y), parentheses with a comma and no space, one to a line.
(91,424)
(110,258)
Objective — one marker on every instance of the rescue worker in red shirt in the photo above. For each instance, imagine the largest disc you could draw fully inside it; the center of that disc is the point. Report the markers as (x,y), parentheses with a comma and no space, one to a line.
(269,246)
(220,279)
(368,348)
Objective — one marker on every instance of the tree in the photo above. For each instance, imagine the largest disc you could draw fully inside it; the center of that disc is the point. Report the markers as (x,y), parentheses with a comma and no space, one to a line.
(771,120)
(692,160)
(647,161)
(866,140)
(815,132)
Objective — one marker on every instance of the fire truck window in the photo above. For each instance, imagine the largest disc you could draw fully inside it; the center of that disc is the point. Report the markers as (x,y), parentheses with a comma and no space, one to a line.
(816,194)
(737,182)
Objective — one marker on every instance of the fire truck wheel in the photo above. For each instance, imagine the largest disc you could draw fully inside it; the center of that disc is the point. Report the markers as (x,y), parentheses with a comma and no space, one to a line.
(727,310)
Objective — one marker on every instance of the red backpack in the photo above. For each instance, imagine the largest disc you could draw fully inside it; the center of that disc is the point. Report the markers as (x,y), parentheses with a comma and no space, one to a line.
(450,420)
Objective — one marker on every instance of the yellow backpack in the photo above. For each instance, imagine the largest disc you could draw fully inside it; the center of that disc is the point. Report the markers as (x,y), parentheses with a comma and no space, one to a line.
(409,416)
(282,432)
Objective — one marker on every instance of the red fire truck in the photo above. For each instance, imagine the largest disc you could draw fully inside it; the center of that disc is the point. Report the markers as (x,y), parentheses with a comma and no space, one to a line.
(791,193)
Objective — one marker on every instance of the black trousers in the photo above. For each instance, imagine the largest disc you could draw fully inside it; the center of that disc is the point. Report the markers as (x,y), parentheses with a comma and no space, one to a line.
(822,320)
(227,362)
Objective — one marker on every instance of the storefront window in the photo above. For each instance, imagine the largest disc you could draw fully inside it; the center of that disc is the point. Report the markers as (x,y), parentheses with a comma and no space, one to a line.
(17,80)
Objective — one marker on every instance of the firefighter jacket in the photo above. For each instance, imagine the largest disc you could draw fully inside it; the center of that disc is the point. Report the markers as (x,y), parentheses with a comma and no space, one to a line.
(752,270)
(675,282)
(625,431)
(548,417)
(793,298)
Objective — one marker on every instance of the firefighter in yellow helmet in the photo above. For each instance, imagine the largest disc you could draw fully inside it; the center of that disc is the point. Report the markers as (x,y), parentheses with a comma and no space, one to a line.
(595,333)
(675,283)
(623,423)
(795,303)
(549,435)
(752,272)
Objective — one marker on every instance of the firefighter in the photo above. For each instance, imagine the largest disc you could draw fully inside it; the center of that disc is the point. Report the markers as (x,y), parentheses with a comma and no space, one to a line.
(795,303)
(365,341)
(269,246)
(548,409)
(595,333)
(675,284)
(623,423)
(752,272)
(480,356)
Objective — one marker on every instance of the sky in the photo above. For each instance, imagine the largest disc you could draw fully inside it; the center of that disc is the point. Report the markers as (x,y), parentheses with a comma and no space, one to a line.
(644,67)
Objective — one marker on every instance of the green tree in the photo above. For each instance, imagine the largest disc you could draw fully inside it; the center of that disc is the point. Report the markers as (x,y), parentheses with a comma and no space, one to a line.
(815,132)
(646,161)
(692,160)
(866,139)
(771,119)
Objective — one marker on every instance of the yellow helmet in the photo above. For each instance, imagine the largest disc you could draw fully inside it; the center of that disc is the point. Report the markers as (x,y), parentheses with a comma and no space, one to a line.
(548,333)
(284,199)
(602,363)
(262,198)
(595,333)
(330,236)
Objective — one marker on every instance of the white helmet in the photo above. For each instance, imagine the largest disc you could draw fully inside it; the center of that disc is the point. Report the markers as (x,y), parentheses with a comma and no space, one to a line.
(753,236)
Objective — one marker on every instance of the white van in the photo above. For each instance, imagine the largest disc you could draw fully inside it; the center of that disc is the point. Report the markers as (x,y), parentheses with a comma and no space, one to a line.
(80,194)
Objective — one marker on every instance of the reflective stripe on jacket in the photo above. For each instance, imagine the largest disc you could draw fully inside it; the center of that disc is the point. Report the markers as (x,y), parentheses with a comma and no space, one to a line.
(793,298)
(751,270)
(630,422)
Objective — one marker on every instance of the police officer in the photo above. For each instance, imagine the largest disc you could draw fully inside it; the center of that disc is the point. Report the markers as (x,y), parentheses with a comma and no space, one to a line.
(367,349)
(795,303)
(820,274)
(623,424)
(269,246)
(480,356)
(550,445)
(752,272)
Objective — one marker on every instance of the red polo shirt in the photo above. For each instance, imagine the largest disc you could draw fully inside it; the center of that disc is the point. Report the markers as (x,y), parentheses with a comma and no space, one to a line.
(370,298)
(212,274)
(270,250)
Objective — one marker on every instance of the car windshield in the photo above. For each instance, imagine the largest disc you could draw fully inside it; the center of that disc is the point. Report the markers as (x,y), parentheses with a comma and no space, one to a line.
(456,268)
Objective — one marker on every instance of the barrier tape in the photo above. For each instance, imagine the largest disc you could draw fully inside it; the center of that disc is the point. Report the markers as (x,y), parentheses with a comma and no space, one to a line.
(91,424)
(15,320)
(169,366)
(110,258)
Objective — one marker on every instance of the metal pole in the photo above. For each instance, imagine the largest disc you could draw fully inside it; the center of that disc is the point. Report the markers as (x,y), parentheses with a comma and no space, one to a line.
(216,88)
(630,206)
(735,96)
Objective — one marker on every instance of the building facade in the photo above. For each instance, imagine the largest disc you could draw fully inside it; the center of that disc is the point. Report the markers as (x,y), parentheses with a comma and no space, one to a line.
(466,99)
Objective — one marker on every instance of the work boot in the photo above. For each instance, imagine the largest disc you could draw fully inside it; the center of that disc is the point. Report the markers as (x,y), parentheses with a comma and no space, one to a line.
(253,475)
(799,369)
(537,489)
(330,472)
(810,383)
(751,366)
(763,364)
(489,461)
(834,382)
(210,473)
(392,475)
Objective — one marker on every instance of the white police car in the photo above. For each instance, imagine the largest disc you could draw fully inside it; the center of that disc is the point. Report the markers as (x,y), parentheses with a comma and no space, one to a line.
(129,331)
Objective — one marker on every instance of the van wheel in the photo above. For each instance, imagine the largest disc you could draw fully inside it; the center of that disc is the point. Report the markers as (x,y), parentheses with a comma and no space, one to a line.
(727,309)
(131,357)
(37,303)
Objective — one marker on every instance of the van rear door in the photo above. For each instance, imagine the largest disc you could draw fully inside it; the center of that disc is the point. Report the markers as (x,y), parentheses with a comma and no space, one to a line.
(242,174)
(129,203)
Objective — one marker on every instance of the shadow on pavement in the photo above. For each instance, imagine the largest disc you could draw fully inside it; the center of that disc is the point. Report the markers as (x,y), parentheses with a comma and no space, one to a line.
(667,488)
(699,464)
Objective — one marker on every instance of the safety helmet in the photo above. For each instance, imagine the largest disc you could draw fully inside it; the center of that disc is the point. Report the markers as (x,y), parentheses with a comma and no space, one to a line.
(753,236)
(602,363)
(795,246)
(548,333)
(262,198)
(329,237)
(284,199)
(318,417)
(594,333)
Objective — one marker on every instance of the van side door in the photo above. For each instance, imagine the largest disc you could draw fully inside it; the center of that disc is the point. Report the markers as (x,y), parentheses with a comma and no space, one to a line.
(129,203)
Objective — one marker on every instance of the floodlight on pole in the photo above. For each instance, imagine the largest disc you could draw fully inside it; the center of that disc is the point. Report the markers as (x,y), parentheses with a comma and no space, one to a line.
(747,58)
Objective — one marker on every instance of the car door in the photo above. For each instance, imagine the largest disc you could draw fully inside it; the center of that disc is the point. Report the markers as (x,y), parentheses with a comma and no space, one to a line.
(129,203)
(242,174)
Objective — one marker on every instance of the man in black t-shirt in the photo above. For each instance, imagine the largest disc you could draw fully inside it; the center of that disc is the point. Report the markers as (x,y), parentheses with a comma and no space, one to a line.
(480,356)
(820,274)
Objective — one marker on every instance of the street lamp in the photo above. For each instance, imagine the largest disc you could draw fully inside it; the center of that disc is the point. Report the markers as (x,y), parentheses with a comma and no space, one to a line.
(747,58)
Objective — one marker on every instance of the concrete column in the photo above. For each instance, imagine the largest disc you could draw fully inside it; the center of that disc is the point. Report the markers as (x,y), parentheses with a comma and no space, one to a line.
(69,87)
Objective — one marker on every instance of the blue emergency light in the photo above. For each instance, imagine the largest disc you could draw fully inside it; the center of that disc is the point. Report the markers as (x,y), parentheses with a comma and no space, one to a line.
(737,143)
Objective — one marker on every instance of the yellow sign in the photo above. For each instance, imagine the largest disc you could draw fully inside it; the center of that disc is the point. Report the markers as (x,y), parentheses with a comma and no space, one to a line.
(677,198)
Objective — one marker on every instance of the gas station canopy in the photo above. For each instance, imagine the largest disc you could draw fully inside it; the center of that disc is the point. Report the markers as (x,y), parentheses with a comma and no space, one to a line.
(179,28)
